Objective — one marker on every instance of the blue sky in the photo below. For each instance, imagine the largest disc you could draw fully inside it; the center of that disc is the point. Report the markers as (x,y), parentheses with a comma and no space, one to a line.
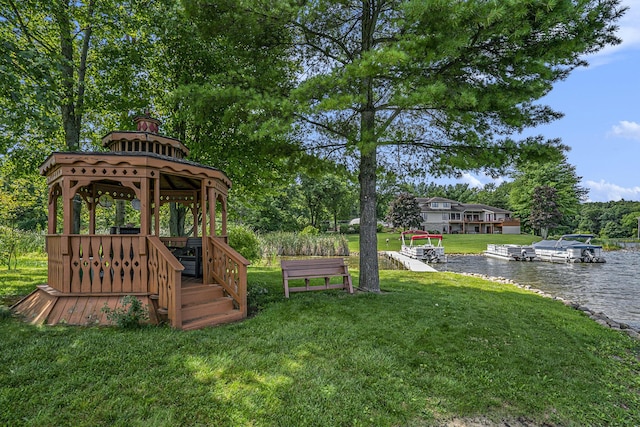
(601,104)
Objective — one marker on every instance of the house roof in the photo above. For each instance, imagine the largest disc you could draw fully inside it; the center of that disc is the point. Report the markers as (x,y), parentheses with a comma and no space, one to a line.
(455,206)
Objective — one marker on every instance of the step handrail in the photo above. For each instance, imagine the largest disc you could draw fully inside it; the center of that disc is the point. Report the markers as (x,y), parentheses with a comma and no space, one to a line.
(225,266)
(165,279)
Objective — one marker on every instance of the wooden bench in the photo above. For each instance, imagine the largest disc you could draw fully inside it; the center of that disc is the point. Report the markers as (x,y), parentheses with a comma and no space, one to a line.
(320,268)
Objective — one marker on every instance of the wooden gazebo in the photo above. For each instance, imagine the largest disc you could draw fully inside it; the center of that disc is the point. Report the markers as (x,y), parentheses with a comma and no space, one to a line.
(189,282)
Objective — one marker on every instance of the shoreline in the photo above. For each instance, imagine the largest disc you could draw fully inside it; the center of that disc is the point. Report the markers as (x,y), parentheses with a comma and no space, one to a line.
(598,317)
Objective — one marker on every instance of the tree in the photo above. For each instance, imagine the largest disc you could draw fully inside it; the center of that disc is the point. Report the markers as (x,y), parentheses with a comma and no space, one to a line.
(68,62)
(545,214)
(444,82)
(404,211)
(492,195)
(559,175)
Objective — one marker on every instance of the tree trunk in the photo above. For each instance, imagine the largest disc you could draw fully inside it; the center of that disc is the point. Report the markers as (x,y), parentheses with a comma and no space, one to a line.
(176,220)
(71,103)
(120,212)
(369,278)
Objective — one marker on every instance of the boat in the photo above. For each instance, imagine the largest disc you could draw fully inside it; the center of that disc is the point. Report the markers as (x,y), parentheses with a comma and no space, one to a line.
(511,252)
(569,248)
(421,245)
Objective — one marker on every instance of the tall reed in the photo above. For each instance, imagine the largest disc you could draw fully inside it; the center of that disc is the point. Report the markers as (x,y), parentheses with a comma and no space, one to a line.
(294,244)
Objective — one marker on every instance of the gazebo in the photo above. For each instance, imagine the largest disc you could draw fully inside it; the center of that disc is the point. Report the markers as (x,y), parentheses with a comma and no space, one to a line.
(189,282)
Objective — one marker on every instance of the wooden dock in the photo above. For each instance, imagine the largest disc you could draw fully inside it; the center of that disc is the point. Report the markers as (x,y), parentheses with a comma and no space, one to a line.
(410,263)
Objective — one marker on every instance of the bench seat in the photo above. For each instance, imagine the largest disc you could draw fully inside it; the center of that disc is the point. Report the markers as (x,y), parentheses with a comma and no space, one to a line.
(320,268)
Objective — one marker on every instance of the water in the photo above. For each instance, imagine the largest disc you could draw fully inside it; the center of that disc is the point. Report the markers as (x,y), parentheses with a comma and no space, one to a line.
(612,288)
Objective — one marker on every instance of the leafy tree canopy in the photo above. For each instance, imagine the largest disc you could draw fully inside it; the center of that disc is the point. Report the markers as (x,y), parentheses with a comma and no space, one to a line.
(404,211)
(445,82)
(559,175)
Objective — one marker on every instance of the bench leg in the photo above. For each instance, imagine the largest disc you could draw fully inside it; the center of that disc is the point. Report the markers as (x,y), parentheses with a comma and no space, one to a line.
(346,280)
(285,282)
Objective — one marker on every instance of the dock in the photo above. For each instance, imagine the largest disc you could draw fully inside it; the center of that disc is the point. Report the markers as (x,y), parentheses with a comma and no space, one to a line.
(410,263)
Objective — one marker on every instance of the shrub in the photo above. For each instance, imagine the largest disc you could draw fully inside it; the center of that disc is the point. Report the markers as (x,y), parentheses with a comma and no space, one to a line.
(14,242)
(5,312)
(131,315)
(310,230)
(244,240)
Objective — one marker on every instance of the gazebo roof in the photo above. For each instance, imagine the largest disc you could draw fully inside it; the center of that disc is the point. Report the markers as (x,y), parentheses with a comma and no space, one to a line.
(185,169)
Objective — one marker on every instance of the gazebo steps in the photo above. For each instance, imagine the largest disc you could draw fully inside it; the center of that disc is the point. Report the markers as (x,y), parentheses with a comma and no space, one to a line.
(204,305)
(200,292)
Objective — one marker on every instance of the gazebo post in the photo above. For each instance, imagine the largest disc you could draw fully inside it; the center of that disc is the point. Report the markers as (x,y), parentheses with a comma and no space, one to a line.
(92,211)
(52,222)
(67,207)
(145,212)
(156,205)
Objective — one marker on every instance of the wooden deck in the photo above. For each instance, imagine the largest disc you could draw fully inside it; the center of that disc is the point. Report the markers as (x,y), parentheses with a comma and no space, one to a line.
(202,305)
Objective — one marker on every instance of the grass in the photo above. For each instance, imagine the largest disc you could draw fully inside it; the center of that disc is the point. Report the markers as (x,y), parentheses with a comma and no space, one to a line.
(453,243)
(431,348)
(14,284)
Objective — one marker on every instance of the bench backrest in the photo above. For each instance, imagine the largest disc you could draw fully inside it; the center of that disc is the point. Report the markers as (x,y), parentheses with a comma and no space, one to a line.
(296,267)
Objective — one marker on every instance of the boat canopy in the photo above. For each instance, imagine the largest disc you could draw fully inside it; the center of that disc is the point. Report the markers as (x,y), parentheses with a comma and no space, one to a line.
(419,234)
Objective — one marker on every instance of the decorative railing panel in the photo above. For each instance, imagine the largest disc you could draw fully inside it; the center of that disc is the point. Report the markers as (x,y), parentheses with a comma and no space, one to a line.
(165,279)
(106,264)
(228,268)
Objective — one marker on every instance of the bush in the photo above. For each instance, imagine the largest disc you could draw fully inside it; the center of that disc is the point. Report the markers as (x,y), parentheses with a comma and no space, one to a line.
(131,315)
(14,242)
(310,230)
(244,240)
(5,312)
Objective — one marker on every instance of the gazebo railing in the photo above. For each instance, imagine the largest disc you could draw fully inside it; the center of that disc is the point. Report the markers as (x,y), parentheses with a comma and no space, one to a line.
(228,268)
(165,279)
(97,264)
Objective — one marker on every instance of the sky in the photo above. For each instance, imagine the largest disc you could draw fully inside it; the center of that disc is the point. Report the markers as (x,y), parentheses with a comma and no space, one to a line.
(601,123)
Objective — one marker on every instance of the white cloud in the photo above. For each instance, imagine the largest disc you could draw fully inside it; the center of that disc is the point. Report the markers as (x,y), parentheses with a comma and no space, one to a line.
(605,191)
(479,181)
(467,178)
(626,129)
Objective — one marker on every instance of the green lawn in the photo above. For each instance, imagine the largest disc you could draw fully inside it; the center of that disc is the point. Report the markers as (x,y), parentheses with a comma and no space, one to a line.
(431,347)
(453,243)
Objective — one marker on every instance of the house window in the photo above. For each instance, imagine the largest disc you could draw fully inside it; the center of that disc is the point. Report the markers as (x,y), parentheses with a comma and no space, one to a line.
(454,216)
(446,205)
(434,204)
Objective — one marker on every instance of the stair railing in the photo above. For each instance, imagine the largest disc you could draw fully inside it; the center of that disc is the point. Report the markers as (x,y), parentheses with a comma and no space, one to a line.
(225,266)
(165,279)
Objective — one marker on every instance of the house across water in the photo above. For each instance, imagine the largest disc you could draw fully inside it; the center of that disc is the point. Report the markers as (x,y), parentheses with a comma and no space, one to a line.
(451,217)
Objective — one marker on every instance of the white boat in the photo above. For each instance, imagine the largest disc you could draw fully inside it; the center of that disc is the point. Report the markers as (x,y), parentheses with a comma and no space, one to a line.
(511,252)
(569,248)
(423,246)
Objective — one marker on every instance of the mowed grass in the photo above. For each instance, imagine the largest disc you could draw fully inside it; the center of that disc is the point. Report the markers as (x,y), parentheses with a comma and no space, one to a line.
(430,348)
(453,243)
(16,283)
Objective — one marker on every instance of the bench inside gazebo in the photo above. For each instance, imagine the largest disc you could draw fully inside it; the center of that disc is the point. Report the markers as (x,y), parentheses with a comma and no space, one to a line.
(189,282)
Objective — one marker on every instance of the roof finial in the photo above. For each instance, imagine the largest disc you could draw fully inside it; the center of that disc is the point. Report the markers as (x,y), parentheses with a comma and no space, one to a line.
(147,124)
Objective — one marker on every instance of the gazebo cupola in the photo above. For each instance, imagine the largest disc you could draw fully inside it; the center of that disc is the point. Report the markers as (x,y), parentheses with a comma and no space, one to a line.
(145,140)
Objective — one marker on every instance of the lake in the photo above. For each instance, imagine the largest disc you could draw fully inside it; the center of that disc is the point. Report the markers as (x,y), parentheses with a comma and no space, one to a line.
(612,288)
